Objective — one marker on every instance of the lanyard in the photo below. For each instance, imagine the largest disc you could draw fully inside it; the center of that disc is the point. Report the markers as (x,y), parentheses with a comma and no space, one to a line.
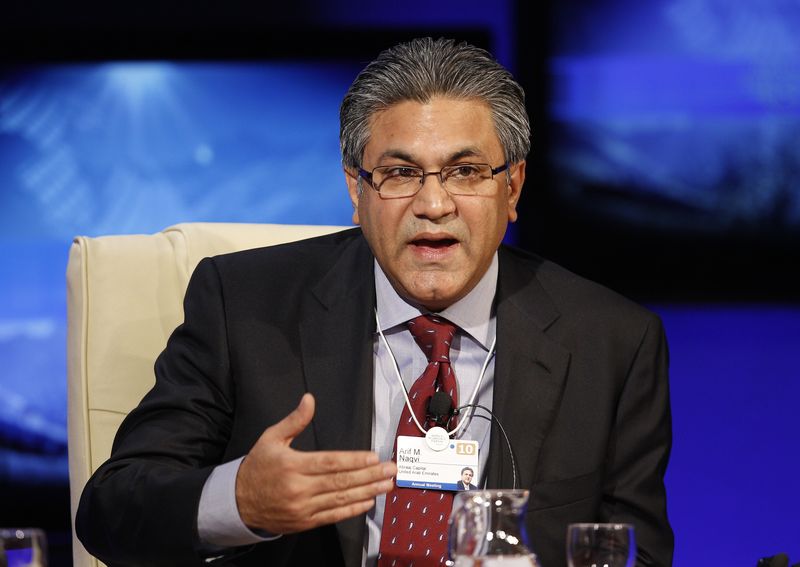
(462,422)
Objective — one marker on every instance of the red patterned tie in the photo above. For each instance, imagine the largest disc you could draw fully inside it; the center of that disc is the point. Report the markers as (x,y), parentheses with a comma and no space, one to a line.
(414,529)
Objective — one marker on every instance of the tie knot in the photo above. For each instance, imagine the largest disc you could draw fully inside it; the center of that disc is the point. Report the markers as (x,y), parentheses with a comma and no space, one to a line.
(433,335)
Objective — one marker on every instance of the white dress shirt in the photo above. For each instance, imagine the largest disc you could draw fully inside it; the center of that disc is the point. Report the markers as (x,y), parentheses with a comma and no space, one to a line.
(474,316)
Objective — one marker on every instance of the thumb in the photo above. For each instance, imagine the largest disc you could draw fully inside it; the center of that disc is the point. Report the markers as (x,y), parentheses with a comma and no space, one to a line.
(293,424)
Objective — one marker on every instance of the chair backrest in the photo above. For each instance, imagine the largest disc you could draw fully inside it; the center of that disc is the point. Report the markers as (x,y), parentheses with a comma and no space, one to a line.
(124,298)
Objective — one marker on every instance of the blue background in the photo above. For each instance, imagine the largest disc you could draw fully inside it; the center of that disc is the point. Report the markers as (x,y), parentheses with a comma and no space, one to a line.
(669,125)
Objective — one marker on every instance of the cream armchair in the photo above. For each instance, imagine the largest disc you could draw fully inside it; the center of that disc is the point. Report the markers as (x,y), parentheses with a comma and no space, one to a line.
(124,298)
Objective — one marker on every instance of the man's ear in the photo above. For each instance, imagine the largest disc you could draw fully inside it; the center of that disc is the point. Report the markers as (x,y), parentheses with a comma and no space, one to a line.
(354,189)
(517,179)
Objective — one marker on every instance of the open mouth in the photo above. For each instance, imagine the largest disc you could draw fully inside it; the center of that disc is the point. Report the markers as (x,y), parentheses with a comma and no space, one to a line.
(435,243)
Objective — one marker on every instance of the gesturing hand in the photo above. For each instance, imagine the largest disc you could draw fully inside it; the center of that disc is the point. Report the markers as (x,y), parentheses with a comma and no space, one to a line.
(281,490)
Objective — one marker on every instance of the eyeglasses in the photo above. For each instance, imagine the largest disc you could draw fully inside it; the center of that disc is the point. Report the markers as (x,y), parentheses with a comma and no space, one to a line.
(396,181)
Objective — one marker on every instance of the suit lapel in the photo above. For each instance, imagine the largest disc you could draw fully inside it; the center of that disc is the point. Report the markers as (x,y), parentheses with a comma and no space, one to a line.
(530,371)
(337,324)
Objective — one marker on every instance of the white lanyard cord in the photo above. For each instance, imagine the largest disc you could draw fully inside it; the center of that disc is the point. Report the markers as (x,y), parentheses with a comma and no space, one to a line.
(461,422)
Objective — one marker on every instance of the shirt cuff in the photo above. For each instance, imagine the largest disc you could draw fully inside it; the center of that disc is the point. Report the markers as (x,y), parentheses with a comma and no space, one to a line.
(218,521)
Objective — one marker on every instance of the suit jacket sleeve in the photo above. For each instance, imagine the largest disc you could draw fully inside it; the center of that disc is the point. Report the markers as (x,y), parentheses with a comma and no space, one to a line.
(142,503)
(638,451)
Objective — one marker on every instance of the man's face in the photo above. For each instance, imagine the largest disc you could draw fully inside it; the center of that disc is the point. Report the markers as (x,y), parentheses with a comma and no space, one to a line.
(466,476)
(434,247)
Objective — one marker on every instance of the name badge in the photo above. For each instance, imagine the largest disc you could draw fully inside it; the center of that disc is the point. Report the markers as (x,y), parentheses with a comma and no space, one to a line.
(420,466)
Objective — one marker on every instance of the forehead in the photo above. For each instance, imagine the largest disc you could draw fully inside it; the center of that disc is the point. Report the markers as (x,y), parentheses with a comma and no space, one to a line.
(433,131)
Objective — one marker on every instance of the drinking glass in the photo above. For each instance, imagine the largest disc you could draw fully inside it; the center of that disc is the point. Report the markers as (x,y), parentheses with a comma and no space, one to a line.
(600,545)
(487,530)
(22,547)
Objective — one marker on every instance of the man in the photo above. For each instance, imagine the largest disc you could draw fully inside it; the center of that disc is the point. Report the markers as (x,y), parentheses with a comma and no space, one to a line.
(220,460)
(466,479)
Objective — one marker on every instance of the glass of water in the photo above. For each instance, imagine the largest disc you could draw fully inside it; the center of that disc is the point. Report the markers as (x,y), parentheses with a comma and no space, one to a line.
(22,547)
(487,529)
(601,545)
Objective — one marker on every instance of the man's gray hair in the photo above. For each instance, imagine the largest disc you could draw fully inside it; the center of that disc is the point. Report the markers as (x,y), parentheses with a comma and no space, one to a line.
(422,69)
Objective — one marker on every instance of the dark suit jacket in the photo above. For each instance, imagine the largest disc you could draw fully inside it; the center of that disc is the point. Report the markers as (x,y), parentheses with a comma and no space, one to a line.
(580,387)
(462,486)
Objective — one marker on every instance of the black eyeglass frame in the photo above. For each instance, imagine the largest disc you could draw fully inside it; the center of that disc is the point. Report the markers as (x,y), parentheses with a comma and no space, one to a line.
(367,175)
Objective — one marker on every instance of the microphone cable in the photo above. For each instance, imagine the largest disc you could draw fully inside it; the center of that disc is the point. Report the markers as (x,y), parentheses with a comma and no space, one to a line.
(457,411)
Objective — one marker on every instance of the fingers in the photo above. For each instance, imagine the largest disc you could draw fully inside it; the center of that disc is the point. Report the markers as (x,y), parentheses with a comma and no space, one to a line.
(299,522)
(342,487)
(282,490)
(351,488)
(331,516)
(312,510)
(281,499)
(345,479)
(331,462)
(293,424)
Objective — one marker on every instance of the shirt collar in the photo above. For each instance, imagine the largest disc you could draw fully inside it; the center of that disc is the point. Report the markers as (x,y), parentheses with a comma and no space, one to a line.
(473,313)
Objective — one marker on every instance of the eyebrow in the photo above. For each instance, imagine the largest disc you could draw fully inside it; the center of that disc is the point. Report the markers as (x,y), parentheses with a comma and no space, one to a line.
(405,156)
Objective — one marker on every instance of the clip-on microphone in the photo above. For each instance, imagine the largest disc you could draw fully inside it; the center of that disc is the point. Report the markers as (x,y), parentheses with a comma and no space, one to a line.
(440,408)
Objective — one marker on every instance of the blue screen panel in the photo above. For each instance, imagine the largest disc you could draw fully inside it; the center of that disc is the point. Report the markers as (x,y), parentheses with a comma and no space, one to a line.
(129,147)
(732,484)
(110,148)
(679,114)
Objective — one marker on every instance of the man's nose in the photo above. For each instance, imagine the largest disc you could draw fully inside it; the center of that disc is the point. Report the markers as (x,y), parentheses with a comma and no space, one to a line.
(433,200)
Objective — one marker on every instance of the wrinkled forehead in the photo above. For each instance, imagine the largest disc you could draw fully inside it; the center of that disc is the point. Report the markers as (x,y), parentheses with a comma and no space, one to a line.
(439,123)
